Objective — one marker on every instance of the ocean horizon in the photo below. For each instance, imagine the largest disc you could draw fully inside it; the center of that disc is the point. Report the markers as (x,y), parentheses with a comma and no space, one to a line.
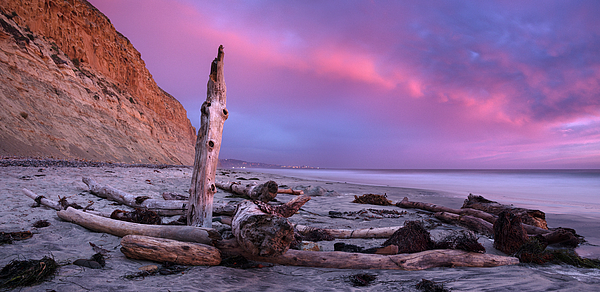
(557,191)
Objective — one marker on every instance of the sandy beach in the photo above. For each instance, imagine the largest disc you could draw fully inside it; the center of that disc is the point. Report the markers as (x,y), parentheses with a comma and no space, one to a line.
(67,242)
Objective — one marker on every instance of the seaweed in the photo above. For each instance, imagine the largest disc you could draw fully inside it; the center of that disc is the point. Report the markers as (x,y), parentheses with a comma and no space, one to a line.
(372,199)
(316,234)
(143,216)
(41,224)
(431,286)
(27,272)
(362,279)
(534,251)
(413,237)
(463,240)
(167,268)
(240,262)
(9,237)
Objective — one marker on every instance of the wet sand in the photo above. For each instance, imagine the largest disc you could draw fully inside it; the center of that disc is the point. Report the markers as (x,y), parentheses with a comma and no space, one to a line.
(67,242)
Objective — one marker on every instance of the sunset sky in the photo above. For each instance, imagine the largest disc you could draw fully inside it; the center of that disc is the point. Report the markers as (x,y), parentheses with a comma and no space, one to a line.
(384,84)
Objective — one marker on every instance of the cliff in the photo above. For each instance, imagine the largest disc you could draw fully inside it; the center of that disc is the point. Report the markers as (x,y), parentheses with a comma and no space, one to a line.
(71,86)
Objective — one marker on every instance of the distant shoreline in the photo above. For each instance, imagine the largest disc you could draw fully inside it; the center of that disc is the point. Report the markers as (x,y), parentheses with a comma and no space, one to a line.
(6,161)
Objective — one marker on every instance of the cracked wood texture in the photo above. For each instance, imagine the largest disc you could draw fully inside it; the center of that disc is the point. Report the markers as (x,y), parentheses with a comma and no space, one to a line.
(208,143)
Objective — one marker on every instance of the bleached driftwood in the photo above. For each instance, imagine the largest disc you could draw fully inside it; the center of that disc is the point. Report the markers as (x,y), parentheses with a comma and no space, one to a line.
(290,191)
(42,200)
(491,218)
(345,260)
(380,232)
(162,207)
(260,233)
(208,144)
(535,218)
(167,250)
(122,228)
(473,223)
(262,192)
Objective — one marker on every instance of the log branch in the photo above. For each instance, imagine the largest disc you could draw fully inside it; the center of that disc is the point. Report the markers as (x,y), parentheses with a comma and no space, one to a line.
(257,192)
(167,250)
(381,232)
(122,228)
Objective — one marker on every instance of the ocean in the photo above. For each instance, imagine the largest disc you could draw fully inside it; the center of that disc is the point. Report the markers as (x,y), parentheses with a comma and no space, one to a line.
(553,191)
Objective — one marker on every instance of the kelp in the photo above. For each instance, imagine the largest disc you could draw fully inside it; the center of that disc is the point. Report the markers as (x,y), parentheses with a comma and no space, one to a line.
(362,279)
(167,268)
(372,199)
(411,238)
(9,237)
(534,251)
(431,286)
(41,224)
(463,240)
(27,272)
(142,216)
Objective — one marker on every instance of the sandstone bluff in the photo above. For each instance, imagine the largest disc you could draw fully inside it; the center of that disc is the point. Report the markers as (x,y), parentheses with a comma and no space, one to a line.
(73,87)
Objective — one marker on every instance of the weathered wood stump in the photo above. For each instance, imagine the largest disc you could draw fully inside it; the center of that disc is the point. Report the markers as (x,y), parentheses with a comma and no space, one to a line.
(259,233)
(208,144)
(167,250)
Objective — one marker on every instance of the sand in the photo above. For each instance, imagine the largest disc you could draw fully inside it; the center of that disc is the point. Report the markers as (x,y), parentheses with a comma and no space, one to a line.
(67,242)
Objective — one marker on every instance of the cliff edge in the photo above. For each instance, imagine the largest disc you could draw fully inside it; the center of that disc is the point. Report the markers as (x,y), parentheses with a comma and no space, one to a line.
(73,87)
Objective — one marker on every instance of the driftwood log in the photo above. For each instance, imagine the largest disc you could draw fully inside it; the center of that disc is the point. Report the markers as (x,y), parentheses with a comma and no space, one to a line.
(345,260)
(208,144)
(289,191)
(473,223)
(42,200)
(122,228)
(257,192)
(381,232)
(162,207)
(491,218)
(167,250)
(531,217)
(260,233)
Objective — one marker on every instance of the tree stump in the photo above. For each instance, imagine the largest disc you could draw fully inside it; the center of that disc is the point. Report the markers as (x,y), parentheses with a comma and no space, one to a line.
(208,145)
(259,233)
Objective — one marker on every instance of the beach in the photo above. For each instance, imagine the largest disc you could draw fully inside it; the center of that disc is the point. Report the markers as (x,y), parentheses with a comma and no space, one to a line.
(67,242)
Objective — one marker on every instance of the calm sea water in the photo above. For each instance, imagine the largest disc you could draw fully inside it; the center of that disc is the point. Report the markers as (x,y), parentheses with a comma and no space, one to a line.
(554,191)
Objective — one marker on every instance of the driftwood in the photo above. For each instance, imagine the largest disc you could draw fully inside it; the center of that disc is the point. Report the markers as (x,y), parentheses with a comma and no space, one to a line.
(171,196)
(122,228)
(345,260)
(491,218)
(42,200)
(381,232)
(208,144)
(162,207)
(290,191)
(167,250)
(473,223)
(257,192)
(260,233)
(531,217)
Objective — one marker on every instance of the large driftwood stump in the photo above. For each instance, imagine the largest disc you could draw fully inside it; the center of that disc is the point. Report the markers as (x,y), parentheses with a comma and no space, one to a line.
(257,192)
(166,250)
(208,144)
(531,217)
(122,228)
(259,233)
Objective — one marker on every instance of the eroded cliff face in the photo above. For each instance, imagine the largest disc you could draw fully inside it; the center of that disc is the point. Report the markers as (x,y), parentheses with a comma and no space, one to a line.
(71,86)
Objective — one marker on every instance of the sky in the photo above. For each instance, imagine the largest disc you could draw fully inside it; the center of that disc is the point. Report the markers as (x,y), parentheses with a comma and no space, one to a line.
(384,84)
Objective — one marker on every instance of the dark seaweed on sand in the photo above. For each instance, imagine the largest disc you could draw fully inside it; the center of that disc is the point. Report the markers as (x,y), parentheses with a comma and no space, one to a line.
(372,199)
(411,238)
(362,279)
(165,269)
(9,237)
(534,251)
(41,224)
(142,216)
(463,240)
(431,286)
(26,273)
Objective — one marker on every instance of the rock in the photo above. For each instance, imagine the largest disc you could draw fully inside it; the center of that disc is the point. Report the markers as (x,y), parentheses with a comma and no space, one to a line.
(314,191)
(72,87)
